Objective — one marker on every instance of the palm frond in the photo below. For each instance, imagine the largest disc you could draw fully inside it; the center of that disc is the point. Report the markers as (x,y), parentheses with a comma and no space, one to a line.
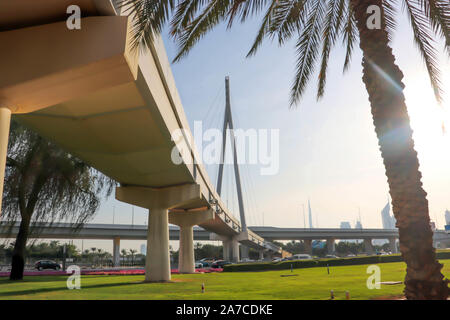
(149,19)
(333,22)
(245,8)
(423,38)
(184,14)
(389,17)
(438,13)
(307,49)
(288,19)
(264,28)
(350,34)
(214,12)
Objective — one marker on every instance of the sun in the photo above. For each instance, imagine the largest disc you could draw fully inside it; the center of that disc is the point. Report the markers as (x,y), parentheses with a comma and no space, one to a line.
(430,120)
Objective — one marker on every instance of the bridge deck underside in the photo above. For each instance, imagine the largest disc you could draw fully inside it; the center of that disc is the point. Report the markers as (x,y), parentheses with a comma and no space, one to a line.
(86,92)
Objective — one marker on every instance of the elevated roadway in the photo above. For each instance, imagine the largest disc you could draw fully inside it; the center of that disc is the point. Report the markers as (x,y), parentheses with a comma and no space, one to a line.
(116,109)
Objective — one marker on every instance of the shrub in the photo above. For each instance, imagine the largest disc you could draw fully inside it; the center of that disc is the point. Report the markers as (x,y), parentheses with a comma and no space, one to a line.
(297,264)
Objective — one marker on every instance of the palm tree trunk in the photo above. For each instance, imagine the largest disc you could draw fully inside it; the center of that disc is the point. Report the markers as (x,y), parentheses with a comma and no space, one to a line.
(383,81)
(18,256)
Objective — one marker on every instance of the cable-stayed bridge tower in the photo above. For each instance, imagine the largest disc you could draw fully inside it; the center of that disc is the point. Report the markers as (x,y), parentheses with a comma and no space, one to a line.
(228,123)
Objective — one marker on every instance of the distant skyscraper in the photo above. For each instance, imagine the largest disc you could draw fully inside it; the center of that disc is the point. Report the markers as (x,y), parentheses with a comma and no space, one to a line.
(310,215)
(447,216)
(387,219)
(386,216)
(345,225)
(143,249)
(358,225)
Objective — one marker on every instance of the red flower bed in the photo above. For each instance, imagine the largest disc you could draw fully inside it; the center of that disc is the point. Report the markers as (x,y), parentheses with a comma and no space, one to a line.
(97,272)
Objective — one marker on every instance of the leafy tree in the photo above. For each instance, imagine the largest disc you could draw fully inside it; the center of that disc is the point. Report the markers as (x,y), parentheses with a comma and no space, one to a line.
(317,26)
(51,250)
(43,184)
(207,251)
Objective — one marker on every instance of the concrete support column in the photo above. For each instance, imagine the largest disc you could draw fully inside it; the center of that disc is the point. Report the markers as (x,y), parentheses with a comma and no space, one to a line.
(393,245)
(5,120)
(244,252)
(186,221)
(157,262)
(308,246)
(234,250)
(116,252)
(261,255)
(231,250)
(158,201)
(186,256)
(368,246)
(331,248)
(226,250)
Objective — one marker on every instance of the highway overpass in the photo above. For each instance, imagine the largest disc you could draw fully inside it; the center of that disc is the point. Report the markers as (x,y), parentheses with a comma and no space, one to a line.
(119,232)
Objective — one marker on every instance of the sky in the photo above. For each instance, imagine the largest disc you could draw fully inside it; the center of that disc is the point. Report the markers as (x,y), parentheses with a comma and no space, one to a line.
(328,148)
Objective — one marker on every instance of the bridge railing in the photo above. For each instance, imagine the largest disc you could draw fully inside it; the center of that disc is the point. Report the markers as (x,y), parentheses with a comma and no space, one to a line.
(191,158)
(271,246)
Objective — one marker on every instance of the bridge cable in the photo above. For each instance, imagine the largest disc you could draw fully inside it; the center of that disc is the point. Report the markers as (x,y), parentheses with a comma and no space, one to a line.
(251,198)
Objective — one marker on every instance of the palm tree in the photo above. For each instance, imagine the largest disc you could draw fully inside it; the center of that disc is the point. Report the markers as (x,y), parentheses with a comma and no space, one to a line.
(124,253)
(317,25)
(99,256)
(132,252)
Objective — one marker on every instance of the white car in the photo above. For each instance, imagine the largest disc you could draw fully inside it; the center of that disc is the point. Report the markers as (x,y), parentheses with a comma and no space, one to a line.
(198,265)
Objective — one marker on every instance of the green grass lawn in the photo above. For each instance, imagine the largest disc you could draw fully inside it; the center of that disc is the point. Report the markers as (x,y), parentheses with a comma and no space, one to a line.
(310,283)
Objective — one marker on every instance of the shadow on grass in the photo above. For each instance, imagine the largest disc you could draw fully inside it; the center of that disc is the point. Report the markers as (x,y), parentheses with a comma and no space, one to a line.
(47,290)
(37,279)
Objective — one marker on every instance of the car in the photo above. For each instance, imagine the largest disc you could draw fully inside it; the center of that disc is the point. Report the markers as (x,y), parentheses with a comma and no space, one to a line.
(247,260)
(199,265)
(206,262)
(301,257)
(47,264)
(219,264)
(331,256)
(277,259)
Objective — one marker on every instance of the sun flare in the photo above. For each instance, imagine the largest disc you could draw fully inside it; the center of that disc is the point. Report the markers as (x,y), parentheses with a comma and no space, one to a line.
(430,120)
